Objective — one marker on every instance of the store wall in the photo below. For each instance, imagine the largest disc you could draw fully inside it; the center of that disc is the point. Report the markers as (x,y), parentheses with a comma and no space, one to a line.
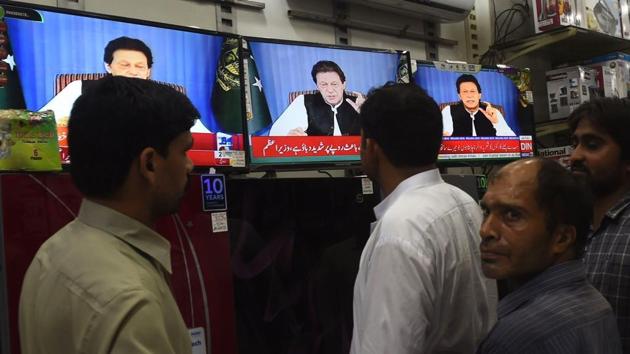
(273,22)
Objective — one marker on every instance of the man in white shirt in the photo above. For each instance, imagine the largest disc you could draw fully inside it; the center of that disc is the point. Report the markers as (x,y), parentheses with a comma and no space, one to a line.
(331,111)
(471,117)
(420,288)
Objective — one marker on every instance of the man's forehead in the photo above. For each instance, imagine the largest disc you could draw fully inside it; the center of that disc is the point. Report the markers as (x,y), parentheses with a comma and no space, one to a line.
(329,77)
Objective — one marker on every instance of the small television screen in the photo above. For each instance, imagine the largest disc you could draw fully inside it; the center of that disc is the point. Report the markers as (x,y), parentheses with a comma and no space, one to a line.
(303,100)
(486,111)
(49,56)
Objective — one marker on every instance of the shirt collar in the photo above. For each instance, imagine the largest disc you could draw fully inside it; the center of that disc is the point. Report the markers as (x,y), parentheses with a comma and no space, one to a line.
(422,179)
(128,230)
(552,278)
(619,207)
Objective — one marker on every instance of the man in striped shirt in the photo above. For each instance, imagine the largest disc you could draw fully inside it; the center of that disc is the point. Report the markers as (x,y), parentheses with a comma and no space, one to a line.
(601,140)
(536,219)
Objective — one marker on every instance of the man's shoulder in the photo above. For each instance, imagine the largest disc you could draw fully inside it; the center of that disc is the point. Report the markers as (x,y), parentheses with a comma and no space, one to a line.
(92,262)
(558,311)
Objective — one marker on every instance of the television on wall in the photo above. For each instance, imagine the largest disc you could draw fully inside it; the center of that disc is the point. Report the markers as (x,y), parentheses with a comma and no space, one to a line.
(48,56)
(302,100)
(487,112)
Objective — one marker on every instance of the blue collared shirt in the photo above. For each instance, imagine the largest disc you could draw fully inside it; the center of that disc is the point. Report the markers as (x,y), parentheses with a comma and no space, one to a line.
(607,261)
(556,312)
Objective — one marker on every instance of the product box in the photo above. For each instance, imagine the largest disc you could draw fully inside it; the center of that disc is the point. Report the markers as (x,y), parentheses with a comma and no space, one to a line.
(568,87)
(28,141)
(624,7)
(603,16)
(550,14)
(613,74)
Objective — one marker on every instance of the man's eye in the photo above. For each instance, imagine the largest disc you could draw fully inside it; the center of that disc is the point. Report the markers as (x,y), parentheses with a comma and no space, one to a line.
(512,215)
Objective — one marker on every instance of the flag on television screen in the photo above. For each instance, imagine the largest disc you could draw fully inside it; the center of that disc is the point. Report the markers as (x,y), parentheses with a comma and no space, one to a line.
(226,95)
(10,88)
(258,116)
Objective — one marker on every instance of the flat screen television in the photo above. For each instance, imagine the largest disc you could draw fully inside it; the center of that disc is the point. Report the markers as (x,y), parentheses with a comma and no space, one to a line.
(48,55)
(302,100)
(487,116)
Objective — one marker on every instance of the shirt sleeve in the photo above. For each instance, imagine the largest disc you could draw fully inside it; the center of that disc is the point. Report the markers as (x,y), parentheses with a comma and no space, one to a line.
(293,117)
(62,103)
(447,121)
(397,302)
(503,129)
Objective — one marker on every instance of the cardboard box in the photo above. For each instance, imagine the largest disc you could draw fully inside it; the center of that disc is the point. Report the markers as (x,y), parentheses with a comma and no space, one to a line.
(550,14)
(567,88)
(28,141)
(613,74)
(603,16)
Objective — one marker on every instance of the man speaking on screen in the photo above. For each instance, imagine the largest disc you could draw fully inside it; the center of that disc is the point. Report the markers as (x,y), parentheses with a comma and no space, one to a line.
(330,111)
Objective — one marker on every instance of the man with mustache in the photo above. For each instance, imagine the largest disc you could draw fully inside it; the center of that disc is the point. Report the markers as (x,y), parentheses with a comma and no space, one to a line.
(601,140)
(100,284)
(536,219)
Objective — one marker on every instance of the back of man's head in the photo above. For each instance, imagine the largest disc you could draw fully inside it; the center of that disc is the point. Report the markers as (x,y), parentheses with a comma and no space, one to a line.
(405,122)
(113,121)
(611,114)
(128,44)
(566,200)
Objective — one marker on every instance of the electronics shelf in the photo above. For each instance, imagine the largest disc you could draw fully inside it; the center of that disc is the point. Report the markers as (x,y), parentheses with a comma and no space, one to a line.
(563,44)
(543,51)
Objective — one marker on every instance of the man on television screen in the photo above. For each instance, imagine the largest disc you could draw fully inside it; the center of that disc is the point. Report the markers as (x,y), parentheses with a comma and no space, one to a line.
(123,56)
(331,111)
(470,116)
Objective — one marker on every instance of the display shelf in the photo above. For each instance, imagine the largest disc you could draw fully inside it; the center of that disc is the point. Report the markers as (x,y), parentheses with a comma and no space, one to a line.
(562,45)
(551,127)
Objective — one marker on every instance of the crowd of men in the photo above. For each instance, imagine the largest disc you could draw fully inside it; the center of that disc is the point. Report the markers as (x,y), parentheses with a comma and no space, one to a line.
(426,279)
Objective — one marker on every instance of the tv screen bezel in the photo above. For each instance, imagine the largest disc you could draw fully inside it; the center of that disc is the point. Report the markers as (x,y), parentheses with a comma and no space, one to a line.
(74,12)
(314,165)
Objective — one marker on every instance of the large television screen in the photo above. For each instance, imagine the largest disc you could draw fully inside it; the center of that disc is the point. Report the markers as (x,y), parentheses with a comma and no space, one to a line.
(486,111)
(49,56)
(303,100)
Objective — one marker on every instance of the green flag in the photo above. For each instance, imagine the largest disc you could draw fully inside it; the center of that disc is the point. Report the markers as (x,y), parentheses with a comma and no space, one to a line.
(226,95)
(10,88)
(258,116)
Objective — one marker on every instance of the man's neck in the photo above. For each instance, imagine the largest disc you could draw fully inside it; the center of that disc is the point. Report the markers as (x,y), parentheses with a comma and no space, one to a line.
(393,176)
(130,209)
(603,203)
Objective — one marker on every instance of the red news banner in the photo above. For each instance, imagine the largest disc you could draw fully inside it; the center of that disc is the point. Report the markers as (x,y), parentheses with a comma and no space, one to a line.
(296,146)
(500,146)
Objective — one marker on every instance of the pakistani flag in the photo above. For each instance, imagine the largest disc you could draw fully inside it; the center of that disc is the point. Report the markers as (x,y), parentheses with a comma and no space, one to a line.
(10,88)
(258,116)
(226,95)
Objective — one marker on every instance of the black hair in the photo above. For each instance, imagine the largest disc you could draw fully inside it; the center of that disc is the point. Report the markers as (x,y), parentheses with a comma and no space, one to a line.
(129,44)
(566,199)
(611,114)
(113,121)
(467,78)
(326,66)
(406,123)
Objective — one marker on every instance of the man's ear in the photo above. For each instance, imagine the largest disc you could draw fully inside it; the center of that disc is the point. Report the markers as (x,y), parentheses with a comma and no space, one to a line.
(147,161)
(108,68)
(564,238)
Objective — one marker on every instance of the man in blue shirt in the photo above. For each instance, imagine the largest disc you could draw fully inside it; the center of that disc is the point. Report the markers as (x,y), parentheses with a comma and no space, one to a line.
(536,219)
(601,141)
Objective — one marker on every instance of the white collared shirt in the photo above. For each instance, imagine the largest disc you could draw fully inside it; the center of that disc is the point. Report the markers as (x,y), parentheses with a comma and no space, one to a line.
(420,288)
